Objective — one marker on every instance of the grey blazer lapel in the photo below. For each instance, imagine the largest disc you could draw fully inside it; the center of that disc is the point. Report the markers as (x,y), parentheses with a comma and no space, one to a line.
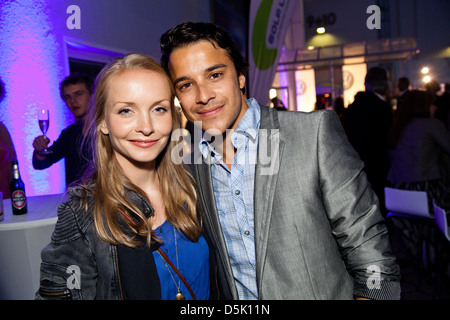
(211,218)
(270,150)
(207,197)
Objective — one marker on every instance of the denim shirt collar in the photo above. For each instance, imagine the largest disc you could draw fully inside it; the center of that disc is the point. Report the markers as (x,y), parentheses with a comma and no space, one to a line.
(247,127)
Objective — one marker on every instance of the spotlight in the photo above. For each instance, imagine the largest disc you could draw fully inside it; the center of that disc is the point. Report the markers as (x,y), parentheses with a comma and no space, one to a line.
(176,102)
(272,93)
(425,70)
(320,30)
(426,79)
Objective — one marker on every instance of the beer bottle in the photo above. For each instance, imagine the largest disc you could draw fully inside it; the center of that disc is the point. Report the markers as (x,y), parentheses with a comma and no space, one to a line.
(18,196)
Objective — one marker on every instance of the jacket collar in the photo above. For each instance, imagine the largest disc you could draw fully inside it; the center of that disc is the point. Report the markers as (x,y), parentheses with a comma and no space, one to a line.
(138,200)
(270,151)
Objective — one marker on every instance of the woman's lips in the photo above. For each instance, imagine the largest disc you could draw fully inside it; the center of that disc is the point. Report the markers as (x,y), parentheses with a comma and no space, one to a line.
(144,143)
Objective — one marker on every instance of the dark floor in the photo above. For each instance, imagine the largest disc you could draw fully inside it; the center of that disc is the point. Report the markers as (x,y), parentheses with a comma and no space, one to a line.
(419,280)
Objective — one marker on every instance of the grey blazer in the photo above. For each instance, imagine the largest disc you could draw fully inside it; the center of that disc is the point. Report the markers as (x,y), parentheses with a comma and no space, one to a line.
(319,233)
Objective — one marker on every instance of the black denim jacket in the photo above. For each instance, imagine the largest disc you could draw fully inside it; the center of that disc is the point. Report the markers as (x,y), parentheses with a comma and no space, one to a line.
(77,264)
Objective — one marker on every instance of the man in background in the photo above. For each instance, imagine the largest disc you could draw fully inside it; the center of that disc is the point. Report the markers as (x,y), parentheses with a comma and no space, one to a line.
(403,88)
(368,121)
(75,90)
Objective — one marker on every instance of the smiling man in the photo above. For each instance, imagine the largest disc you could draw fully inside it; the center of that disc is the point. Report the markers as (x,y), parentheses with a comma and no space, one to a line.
(311,228)
(75,91)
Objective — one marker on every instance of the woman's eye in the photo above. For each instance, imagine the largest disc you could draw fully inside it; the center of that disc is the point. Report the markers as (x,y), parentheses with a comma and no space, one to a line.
(161,109)
(124,111)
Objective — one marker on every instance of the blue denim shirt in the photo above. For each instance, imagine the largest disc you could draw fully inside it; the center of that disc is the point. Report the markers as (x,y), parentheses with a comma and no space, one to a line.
(234,192)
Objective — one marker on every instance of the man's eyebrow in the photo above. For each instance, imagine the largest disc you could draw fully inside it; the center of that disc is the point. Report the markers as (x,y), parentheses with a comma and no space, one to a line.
(67,95)
(207,70)
(214,67)
(180,79)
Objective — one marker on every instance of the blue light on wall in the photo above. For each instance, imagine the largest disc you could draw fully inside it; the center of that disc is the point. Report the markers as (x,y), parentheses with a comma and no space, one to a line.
(31,66)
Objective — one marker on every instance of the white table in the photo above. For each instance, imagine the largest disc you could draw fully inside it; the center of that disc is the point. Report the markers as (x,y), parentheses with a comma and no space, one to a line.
(22,238)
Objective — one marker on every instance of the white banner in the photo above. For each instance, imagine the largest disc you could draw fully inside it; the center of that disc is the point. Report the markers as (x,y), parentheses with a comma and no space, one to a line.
(269,22)
(305,81)
(353,76)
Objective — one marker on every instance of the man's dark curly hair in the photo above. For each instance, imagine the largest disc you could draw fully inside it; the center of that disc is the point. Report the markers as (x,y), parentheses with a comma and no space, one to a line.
(188,33)
(74,78)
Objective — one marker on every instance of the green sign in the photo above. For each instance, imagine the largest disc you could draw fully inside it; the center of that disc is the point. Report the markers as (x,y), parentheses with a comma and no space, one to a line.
(263,57)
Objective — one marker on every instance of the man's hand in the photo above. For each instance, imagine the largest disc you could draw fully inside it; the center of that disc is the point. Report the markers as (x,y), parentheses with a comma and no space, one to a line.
(39,144)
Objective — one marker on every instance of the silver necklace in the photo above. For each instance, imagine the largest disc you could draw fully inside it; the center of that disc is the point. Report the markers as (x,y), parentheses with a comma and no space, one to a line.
(179,295)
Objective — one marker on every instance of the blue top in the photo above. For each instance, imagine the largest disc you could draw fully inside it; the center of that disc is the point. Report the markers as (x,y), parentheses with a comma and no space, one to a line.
(195,271)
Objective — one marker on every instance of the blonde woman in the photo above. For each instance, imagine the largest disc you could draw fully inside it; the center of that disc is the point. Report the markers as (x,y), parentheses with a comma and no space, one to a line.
(130,231)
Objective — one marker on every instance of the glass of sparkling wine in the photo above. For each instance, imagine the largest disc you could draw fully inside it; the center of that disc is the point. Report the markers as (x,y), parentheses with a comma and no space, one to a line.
(44,122)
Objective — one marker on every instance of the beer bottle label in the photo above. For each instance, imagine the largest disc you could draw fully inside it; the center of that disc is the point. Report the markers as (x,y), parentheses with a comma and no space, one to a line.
(18,199)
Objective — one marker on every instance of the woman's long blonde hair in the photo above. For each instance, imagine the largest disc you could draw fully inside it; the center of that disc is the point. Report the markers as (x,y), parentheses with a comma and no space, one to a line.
(108,181)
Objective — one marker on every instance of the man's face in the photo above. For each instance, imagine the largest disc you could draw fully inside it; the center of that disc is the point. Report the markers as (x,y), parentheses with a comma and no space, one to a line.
(76,96)
(207,86)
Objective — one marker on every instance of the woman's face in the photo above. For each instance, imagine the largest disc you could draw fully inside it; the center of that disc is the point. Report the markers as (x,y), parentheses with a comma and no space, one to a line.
(138,118)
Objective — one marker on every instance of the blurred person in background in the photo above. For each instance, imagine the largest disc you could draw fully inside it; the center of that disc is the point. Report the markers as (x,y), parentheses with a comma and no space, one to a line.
(75,90)
(417,144)
(367,123)
(443,106)
(7,153)
(403,88)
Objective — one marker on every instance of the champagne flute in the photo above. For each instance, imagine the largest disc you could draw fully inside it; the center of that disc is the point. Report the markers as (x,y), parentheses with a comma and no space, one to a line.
(44,123)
